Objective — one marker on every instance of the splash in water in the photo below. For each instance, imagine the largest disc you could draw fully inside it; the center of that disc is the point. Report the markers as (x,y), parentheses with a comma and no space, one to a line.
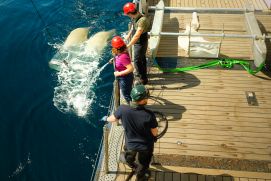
(76,81)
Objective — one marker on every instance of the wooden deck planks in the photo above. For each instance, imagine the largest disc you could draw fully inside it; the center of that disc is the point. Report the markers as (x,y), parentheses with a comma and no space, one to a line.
(207,125)
(174,173)
(208,112)
(174,176)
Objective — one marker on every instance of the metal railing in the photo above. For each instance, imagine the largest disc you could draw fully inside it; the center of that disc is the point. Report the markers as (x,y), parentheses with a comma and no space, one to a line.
(207,10)
(103,162)
(105,145)
(106,131)
(222,35)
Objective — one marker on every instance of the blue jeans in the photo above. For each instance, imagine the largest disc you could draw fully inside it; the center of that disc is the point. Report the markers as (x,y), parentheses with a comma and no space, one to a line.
(125,85)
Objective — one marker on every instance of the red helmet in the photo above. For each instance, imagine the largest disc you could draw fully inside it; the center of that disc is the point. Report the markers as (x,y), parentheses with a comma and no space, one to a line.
(129,8)
(117,42)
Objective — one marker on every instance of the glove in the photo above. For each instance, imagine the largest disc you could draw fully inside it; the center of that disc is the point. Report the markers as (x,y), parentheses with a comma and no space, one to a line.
(104,119)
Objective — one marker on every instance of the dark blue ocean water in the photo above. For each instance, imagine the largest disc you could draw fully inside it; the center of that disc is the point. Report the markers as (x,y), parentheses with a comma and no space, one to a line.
(38,142)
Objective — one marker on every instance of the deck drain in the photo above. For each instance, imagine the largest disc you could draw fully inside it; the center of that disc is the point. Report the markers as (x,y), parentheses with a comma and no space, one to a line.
(251,99)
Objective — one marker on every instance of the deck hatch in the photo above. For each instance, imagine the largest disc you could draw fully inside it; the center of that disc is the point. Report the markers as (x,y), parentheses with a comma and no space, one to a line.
(251,98)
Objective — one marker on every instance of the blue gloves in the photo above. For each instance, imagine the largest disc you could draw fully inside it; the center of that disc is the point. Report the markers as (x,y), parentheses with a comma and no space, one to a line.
(104,119)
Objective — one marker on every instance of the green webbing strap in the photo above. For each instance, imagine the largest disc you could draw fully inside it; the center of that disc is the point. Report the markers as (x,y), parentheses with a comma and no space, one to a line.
(225,63)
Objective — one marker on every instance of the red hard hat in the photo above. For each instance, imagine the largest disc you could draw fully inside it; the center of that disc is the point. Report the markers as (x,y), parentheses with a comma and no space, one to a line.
(117,42)
(129,8)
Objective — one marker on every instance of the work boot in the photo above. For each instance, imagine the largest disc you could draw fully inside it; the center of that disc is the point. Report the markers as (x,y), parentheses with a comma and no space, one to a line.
(137,81)
(123,160)
(144,177)
(144,81)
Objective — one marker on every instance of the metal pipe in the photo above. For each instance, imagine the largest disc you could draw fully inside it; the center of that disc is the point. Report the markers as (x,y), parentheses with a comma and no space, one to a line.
(223,35)
(191,9)
(106,157)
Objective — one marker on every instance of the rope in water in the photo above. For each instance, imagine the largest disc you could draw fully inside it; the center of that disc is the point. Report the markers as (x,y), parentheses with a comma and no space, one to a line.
(42,20)
(224,63)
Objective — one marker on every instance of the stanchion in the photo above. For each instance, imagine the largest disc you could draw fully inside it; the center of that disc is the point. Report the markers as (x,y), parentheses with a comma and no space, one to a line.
(106,155)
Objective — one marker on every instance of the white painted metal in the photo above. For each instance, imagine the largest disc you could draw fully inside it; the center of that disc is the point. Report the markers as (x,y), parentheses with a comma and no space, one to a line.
(209,10)
(223,35)
(268,3)
(154,39)
(258,46)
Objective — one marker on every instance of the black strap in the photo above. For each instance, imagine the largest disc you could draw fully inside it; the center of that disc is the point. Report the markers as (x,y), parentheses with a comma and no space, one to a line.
(136,20)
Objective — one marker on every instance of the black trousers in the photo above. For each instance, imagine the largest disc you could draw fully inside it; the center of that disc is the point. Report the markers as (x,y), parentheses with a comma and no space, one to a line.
(140,61)
(142,166)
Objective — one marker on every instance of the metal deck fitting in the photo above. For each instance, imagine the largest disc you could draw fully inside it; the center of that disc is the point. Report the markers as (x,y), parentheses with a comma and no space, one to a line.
(115,137)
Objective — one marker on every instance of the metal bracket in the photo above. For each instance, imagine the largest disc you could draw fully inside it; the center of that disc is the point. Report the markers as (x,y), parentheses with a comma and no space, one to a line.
(251,99)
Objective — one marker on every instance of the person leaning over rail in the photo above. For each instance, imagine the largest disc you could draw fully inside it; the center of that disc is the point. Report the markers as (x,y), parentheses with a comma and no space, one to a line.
(139,30)
(123,67)
(140,127)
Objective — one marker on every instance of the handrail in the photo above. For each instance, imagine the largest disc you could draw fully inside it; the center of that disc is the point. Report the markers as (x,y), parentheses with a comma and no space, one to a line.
(116,91)
(113,105)
(223,35)
(202,10)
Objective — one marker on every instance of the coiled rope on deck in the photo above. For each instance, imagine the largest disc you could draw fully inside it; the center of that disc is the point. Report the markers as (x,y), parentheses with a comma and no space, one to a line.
(224,63)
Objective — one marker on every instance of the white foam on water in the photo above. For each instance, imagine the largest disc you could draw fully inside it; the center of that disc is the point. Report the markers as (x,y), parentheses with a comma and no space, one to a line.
(21,166)
(76,81)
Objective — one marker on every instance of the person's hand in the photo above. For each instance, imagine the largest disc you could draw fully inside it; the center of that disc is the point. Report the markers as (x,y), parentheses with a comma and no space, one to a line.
(125,38)
(117,74)
(111,60)
(104,119)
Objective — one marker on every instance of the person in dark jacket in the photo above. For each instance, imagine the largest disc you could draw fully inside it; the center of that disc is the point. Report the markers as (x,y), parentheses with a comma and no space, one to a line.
(140,127)
(139,33)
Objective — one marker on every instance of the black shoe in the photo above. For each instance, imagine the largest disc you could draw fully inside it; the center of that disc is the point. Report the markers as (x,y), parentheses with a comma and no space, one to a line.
(145,177)
(144,81)
(123,160)
(137,81)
